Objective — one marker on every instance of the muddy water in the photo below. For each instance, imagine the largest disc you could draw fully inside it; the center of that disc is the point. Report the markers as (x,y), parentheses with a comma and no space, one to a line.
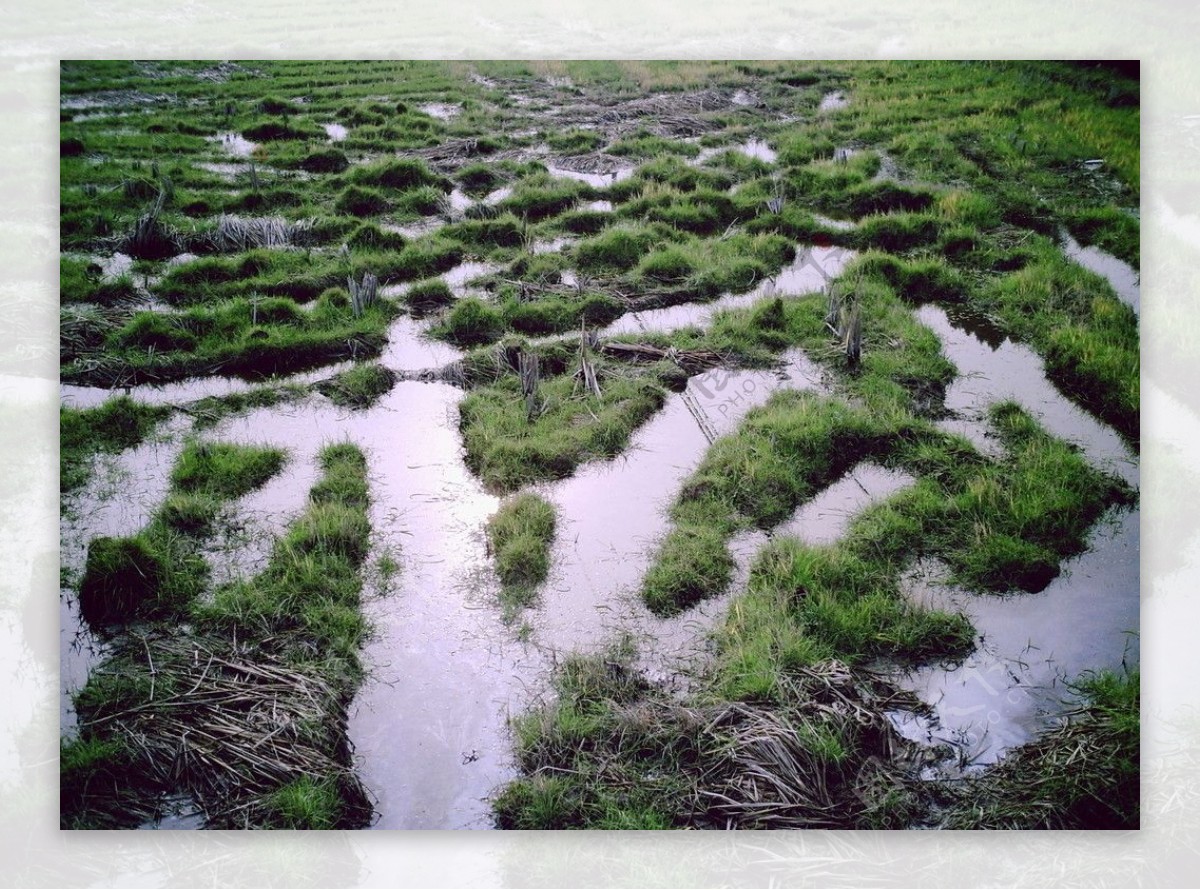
(992,368)
(813,268)
(335,132)
(1087,619)
(1125,280)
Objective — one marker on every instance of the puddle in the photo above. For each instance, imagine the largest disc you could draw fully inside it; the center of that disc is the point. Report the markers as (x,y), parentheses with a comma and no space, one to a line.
(460,201)
(745,99)
(993,369)
(458,277)
(833,101)
(441,110)
(597,180)
(415,230)
(409,350)
(554,245)
(1125,280)
(235,144)
(335,132)
(599,206)
(841,225)
(1011,688)
(429,723)
(495,197)
(826,517)
(813,268)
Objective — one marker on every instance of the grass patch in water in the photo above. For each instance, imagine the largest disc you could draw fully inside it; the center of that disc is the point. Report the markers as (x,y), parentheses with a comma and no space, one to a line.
(225,470)
(308,595)
(520,534)
(508,450)
(360,387)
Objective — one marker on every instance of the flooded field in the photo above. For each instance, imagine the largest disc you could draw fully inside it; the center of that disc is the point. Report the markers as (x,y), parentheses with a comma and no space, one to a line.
(806,449)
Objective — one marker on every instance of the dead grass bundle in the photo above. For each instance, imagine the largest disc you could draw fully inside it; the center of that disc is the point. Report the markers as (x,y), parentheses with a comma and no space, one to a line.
(234,234)
(225,727)
(596,163)
(694,361)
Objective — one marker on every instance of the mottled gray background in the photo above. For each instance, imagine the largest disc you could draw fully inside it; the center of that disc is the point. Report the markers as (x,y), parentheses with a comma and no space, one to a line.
(37,35)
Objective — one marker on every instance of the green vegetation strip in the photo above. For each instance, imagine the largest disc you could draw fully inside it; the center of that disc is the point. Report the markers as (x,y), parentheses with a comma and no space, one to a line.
(243,715)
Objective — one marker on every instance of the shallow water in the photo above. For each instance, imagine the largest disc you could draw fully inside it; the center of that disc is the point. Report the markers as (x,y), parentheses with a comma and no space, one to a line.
(612,515)
(1125,280)
(335,132)
(1011,687)
(235,144)
(992,368)
(812,270)
(833,101)
(825,518)
(118,500)
(441,110)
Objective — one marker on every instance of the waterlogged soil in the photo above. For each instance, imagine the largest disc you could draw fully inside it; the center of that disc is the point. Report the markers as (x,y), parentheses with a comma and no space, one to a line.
(447,662)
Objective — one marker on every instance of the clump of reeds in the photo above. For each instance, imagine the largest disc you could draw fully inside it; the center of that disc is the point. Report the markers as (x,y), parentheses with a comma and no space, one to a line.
(363,294)
(151,238)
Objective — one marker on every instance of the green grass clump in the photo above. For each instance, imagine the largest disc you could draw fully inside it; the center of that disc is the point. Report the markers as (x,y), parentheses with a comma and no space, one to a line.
(501,231)
(616,249)
(541,197)
(471,322)
(1109,229)
(400,174)
(1088,337)
(507,450)
(360,387)
(124,578)
(804,605)
(429,295)
(225,470)
(305,804)
(357,201)
(80,282)
(478,179)
(92,770)
(248,337)
(118,424)
(328,160)
(520,534)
